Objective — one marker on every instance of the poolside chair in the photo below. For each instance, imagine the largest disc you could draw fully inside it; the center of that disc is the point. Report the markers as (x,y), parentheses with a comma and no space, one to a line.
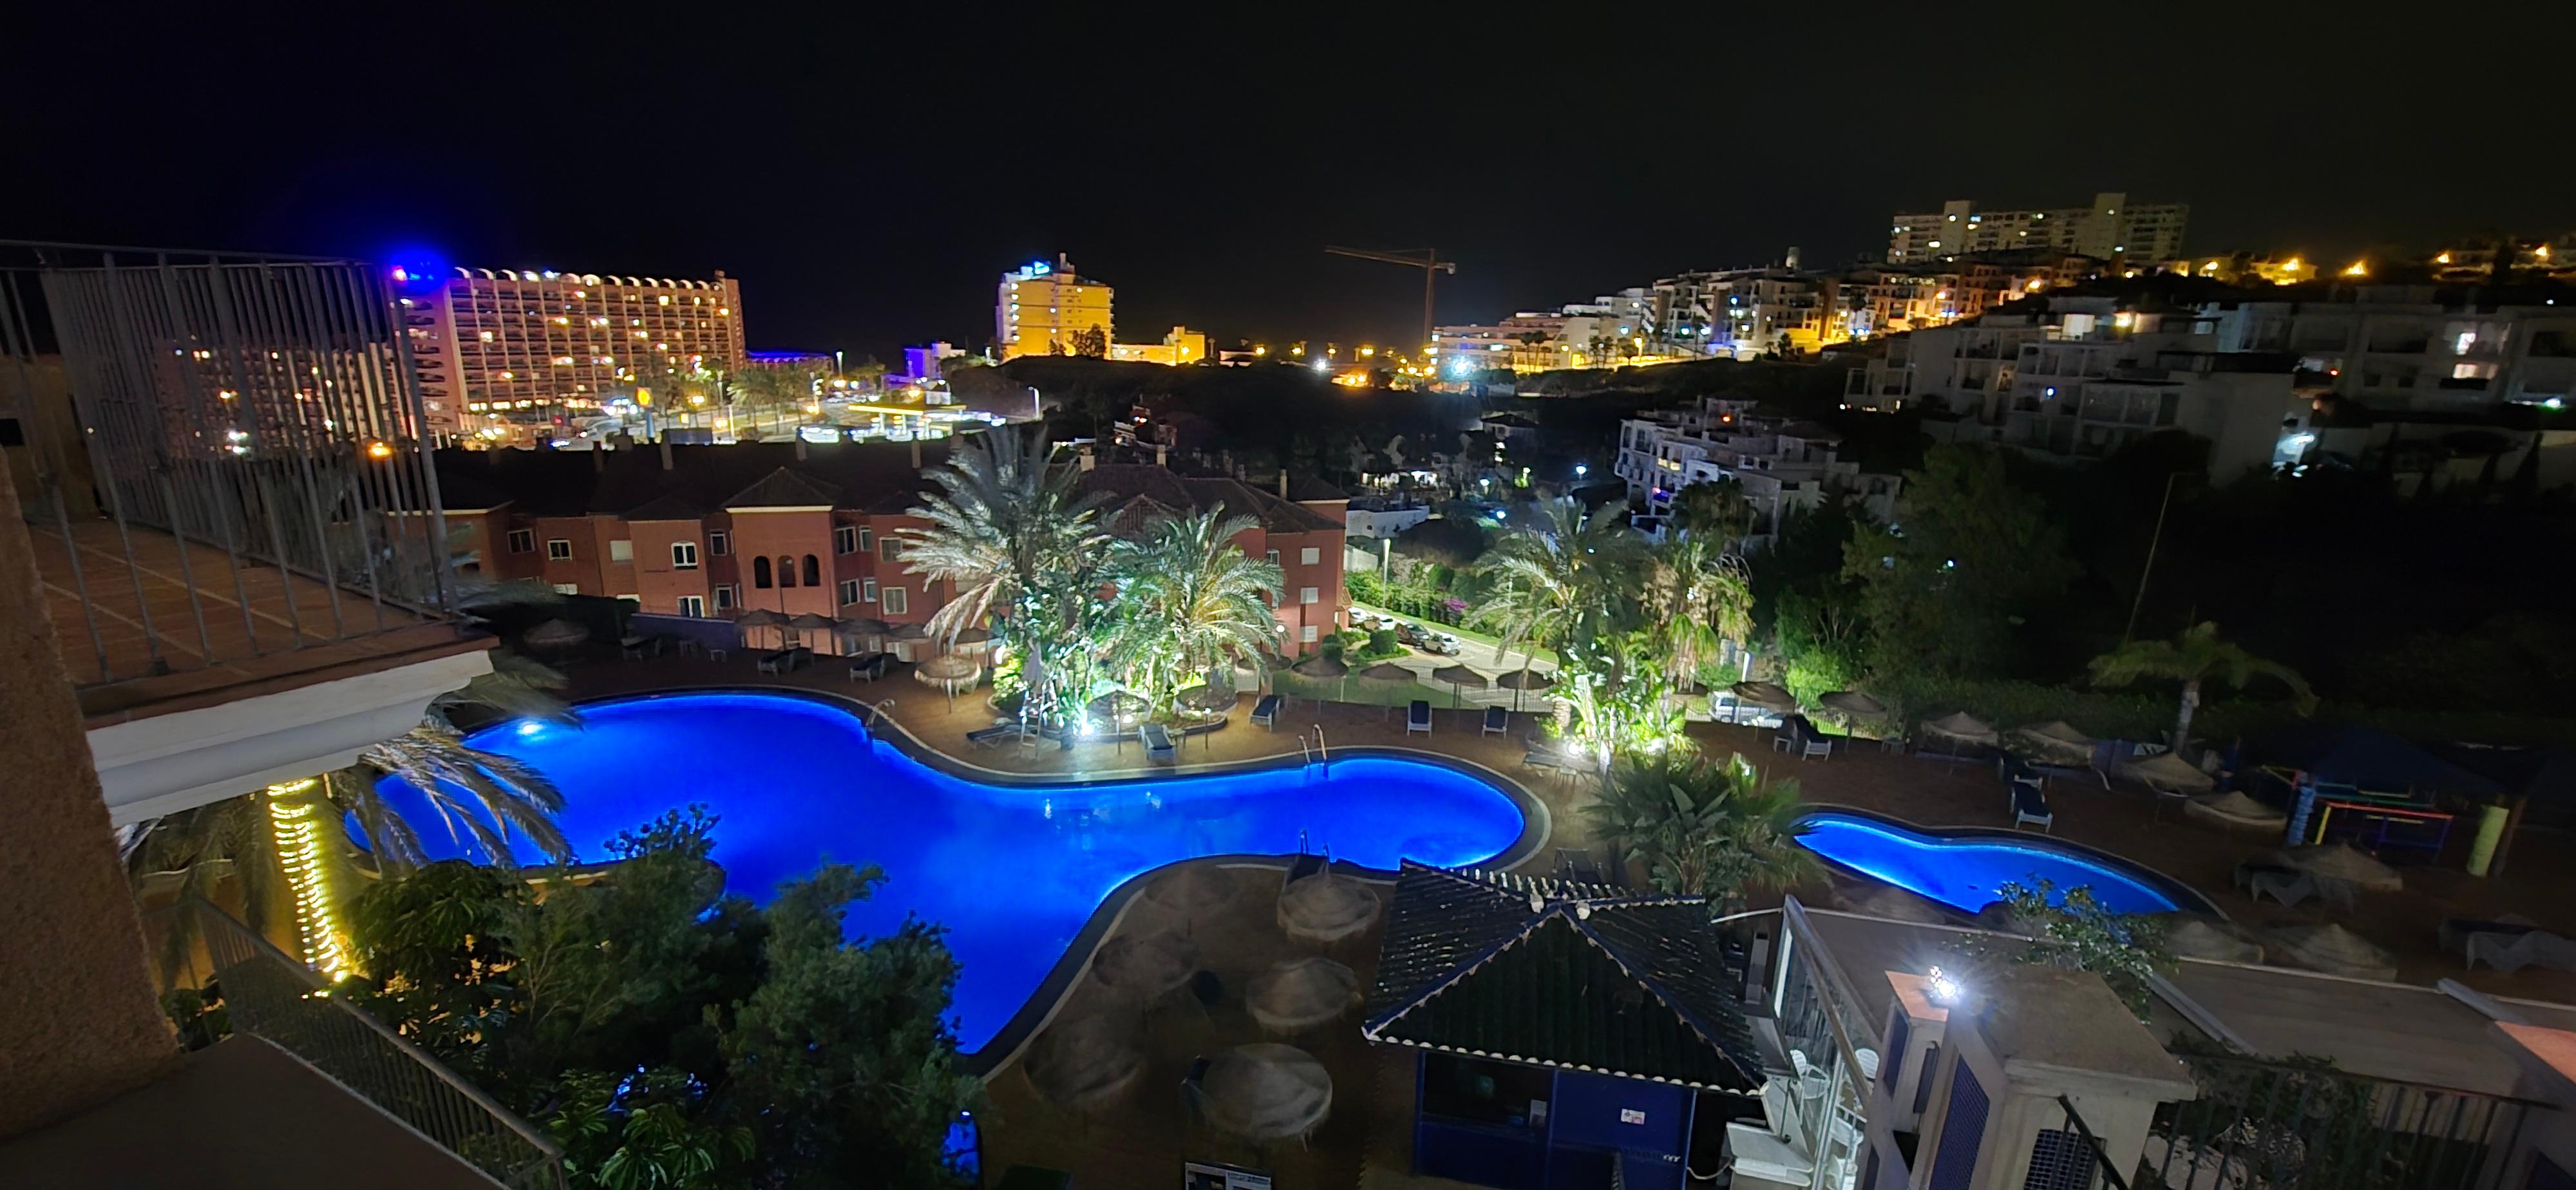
(1265,713)
(1497,721)
(1158,742)
(994,736)
(2454,932)
(870,666)
(2281,882)
(2531,948)
(779,662)
(1417,717)
(639,647)
(2030,805)
(1814,745)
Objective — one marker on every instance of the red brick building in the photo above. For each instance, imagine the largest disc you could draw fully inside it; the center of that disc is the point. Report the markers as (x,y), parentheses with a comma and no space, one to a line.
(714,531)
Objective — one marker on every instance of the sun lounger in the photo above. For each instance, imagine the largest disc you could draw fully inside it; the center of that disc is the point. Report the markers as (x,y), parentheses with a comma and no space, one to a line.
(2531,948)
(1158,742)
(870,666)
(1265,713)
(1575,864)
(639,647)
(1417,717)
(2455,932)
(994,736)
(781,661)
(1497,721)
(1813,746)
(2030,805)
(2280,882)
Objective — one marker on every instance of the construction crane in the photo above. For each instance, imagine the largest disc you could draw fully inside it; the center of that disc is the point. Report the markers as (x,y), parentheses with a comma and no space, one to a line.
(1426,259)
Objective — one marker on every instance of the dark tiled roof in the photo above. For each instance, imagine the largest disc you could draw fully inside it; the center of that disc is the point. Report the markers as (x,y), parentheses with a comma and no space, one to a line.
(1593,978)
(666,508)
(874,476)
(1302,488)
(786,488)
(1126,483)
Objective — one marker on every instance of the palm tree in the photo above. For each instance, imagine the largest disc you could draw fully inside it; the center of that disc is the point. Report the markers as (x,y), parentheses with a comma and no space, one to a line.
(2195,657)
(1554,582)
(190,854)
(769,391)
(1716,509)
(1696,597)
(1194,600)
(1018,542)
(1705,828)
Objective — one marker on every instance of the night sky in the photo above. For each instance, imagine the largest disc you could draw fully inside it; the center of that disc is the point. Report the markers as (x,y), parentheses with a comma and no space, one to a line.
(869,173)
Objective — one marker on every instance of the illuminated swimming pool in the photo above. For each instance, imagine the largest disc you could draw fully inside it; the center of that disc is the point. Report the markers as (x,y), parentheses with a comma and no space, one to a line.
(1963,870)
(1013,871)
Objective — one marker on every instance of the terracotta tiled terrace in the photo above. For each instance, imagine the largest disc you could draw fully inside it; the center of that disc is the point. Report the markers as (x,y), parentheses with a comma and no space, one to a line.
(215,631)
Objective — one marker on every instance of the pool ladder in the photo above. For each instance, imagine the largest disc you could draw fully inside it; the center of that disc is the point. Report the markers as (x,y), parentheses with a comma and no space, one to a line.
(1314,751)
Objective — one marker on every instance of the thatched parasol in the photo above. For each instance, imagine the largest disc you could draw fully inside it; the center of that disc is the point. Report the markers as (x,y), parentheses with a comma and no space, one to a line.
(2235,811)
(2341,861)
(1326,908)
(812,622)
(1855,704)
(1145,967)
(948,671)
(1087,1063)
(1321,667)
(1300,994)
(1191,890)
(1386,673)
(1524,678)
(973,641)
(1769,696)
(1266,1092)
(2056,738)
(2164,770)
(2330,948)
(1963,727)
(1460,678)
(2194,936)
(870,630)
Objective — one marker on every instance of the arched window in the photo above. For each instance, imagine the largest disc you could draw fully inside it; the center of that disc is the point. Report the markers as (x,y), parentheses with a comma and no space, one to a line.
(813,571)
(786,571)
(760,573)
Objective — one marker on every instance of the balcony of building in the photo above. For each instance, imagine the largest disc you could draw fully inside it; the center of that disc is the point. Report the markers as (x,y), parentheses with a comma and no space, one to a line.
(242,559)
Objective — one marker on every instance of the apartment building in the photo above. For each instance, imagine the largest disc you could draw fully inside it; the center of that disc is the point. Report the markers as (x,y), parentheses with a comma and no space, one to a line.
(506,356)
(1039,307)
(1178,348)
(2083,377)
(713,532)
(193,624)
(2417,348)
(1784,465)
(2112,228)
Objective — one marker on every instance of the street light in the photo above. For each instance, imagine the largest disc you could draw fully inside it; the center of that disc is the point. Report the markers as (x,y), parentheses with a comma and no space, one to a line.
(1581,470)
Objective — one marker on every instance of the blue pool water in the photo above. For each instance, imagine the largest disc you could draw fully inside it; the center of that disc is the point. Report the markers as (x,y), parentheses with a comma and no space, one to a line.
(1013,872)
(1964,873)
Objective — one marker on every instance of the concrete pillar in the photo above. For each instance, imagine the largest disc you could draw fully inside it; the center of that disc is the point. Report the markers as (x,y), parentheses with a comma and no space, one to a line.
(83,1024)
(2028,1038)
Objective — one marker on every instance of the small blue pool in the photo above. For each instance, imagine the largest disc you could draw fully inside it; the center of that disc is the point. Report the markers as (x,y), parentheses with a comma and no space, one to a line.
(1013,871)
(1964,870)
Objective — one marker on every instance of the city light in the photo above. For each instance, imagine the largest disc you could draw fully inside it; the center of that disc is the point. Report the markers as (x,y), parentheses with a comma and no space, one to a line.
(380,450)
(1323,364)
(2357,269)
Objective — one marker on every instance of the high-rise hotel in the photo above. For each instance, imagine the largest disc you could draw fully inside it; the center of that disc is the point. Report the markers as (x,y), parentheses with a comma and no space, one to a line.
(1040,307)
(505,354)
(2113,228)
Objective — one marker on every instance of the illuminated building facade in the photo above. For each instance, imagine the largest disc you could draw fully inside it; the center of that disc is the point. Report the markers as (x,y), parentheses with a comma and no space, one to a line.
(504,355)
(1182,346)
(1040,307)
(2110,229)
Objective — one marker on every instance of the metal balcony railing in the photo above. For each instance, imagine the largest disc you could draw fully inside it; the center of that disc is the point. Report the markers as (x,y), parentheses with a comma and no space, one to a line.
(265,994)
(224,456)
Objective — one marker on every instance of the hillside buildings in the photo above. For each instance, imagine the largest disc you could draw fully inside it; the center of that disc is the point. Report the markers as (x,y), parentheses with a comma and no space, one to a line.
(1783,465)
(1179,347)
(505,355)
(2112,228)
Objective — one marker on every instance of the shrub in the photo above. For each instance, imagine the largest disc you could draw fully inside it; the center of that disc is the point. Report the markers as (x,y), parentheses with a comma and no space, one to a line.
(1381,643)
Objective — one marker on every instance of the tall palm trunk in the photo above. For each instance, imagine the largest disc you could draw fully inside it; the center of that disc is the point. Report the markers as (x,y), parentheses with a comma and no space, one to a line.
(2182,719)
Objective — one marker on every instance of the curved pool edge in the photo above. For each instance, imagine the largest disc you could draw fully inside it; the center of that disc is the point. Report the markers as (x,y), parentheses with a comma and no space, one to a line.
(1537,827)
(2179,891)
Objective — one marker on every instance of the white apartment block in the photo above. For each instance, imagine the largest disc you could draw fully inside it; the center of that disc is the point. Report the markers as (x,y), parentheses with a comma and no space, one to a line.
(1784,466)
(2416,348)
(2110,229)
(2083,379)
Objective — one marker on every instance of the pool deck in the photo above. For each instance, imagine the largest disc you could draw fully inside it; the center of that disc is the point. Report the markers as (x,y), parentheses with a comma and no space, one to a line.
(1142,1140)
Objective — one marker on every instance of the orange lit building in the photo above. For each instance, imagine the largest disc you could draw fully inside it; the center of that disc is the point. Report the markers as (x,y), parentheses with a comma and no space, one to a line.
(507,355)
(1039,308)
